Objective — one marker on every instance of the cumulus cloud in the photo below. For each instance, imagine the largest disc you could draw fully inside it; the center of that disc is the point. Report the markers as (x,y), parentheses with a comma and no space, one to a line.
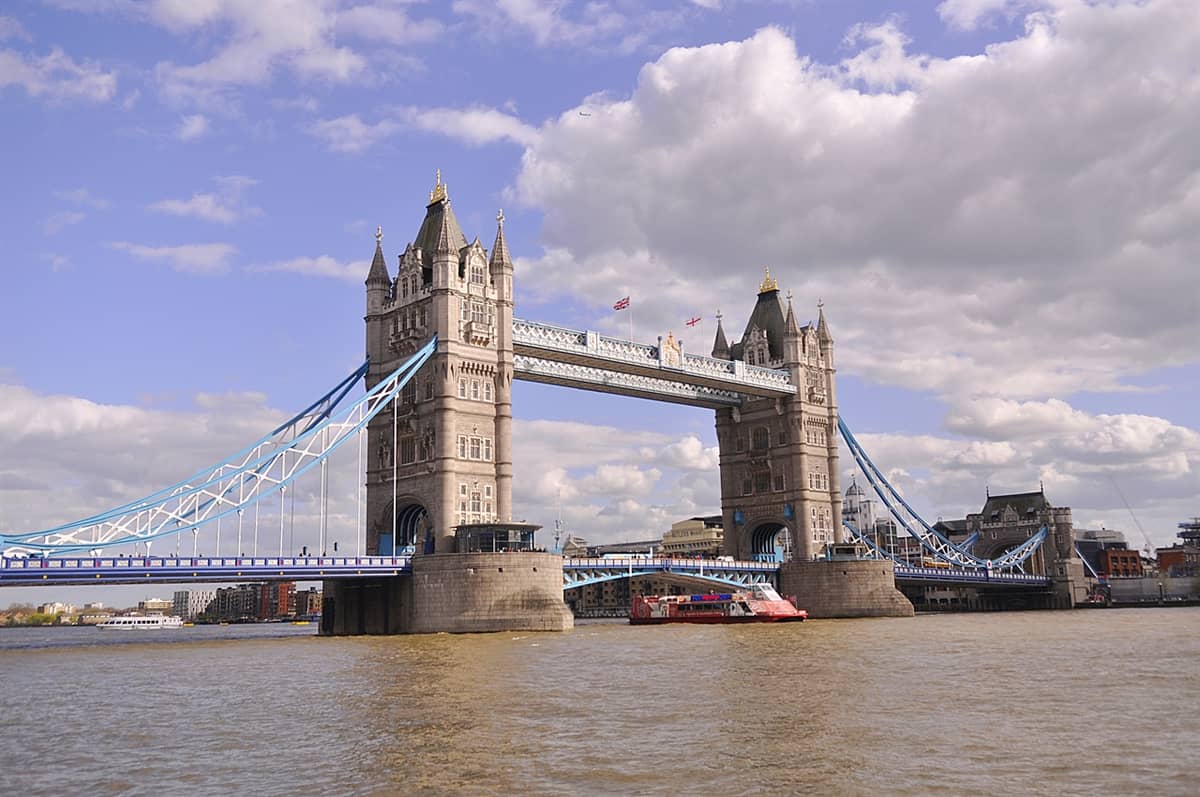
(212,258)
(81,196)
(12,29)
(225,206)
(952,220)
(352,134)
(56,76)
(387,23)
(970,14)
(320,266)
(57,222)
(475,126)
(191,127)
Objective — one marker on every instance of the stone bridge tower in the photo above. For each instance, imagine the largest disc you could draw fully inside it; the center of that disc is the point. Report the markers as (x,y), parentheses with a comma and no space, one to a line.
(780,497)
(442,454)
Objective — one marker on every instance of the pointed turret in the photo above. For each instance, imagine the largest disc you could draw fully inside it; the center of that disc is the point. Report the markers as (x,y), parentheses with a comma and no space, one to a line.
(790,327)
(720,348)
(822,328)
(500,265)
(793,337)
(500,256)
(379,272)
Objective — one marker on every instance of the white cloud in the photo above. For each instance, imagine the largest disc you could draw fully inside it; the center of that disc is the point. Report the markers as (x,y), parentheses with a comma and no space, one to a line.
(351,134)
(953,221)
(56,76)
(12,29)
(550,23)
(307,104)
(57,262)
(258,39)
(474,126)
(61,220)
(81,196)
(387,23)
(192,258)
(320,266)
(970,14)
(191,127)
(225,206)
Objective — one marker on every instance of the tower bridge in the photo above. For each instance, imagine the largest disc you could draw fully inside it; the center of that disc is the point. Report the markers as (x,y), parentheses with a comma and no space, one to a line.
(435,425)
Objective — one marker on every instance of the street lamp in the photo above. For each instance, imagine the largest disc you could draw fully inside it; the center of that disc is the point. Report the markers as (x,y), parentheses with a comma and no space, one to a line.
(1160,592)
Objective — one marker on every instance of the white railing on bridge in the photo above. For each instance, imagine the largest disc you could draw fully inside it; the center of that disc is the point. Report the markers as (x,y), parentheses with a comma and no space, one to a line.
(548,337)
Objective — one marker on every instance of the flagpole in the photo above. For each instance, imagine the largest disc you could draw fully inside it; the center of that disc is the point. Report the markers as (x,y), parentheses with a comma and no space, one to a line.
(630,309)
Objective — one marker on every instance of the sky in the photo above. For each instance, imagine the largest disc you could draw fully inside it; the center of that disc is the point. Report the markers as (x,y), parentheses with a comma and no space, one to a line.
(997,201)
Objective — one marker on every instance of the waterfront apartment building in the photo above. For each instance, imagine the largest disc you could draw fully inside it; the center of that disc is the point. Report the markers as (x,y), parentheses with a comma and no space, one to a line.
(276,599)
(190,604)
(696,536)
(307,602)
(155,605)
(1119,563)
(1182,560)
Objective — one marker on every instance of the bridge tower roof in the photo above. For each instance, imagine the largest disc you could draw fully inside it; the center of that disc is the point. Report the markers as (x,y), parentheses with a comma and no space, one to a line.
(769,315)
(439,231)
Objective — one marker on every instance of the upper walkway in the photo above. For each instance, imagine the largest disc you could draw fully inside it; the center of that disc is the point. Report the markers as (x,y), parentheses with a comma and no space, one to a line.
(39,571)
(591,361)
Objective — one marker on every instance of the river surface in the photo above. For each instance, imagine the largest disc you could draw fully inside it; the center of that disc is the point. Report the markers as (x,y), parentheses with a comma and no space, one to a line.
(1054,703)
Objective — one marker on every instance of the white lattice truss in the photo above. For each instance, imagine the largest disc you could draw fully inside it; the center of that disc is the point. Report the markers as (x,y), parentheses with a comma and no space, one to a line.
(548,343)
(265,468)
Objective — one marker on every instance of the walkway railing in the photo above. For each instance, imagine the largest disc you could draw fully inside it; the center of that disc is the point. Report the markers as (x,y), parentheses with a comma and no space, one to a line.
(170,569)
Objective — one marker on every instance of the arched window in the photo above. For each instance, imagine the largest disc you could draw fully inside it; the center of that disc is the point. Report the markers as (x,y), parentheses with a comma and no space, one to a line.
(760,438)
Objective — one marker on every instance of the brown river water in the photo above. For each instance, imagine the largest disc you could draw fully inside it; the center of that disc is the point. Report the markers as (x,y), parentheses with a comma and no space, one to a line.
(1042,703)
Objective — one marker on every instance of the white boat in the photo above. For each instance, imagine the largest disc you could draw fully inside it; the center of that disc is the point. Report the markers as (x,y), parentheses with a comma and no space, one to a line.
(134,621)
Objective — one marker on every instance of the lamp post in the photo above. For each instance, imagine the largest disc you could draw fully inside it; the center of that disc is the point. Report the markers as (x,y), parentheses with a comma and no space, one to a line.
(1160,592)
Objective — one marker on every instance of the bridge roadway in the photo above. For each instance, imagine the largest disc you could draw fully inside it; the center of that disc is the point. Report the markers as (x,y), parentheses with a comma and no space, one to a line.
(577,572)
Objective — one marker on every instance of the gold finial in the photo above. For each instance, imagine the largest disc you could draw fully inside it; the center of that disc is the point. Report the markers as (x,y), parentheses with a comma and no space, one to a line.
(768,284)
(500,217)
(379,234)
(438,194)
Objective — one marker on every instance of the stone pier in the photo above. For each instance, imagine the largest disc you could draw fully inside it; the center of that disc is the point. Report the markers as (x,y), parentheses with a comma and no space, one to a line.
(455,593)
(844,588)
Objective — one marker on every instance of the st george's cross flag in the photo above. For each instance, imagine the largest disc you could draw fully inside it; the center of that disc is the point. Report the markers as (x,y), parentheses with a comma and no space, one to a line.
(621,303)
(691,322)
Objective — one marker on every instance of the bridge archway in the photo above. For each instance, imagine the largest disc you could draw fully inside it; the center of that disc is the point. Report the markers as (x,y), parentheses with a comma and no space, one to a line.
(412,528)
(771,541)
(997,549)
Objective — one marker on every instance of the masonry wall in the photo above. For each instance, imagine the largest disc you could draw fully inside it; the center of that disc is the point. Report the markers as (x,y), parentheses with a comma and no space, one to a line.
(851,588)
(465,593)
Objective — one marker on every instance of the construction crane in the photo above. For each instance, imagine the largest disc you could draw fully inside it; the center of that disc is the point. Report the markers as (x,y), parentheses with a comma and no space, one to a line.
(1148,550)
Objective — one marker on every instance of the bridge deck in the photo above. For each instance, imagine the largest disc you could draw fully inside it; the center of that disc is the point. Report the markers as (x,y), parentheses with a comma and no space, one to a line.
(590,361)
(576,572)
(143,569)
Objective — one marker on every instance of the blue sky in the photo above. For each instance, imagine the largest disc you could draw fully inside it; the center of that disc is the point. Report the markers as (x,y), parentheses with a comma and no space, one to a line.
(997,201)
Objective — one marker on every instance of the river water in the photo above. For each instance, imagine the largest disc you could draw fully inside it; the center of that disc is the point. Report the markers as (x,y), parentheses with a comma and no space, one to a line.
(1053,703)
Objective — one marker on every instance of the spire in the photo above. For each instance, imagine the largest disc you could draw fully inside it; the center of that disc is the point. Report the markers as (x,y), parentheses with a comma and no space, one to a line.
(822,328)
(768,284)
(379,273)
(438,194)
(500,255)
(720,345)
(789,324)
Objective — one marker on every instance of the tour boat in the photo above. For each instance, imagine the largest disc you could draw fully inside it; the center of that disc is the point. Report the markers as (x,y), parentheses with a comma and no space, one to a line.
(135,621)
(760,604)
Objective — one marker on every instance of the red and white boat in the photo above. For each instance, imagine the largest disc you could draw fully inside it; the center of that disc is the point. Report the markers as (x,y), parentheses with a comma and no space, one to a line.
(760,604)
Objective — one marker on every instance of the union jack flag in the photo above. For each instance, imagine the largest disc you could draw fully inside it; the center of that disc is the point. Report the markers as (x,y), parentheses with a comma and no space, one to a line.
(621,303)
